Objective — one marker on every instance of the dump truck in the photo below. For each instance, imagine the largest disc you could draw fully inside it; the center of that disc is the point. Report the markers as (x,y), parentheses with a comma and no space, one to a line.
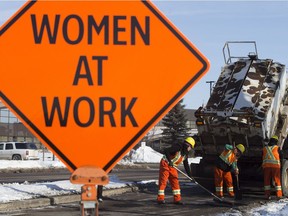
(248,105)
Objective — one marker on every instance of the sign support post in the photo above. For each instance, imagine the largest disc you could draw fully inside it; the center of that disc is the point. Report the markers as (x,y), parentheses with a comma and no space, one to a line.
(90,177)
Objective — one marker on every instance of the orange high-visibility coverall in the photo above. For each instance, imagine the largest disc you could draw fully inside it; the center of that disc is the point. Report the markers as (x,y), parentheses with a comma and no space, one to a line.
(167,172)
(226,162)
(271,167)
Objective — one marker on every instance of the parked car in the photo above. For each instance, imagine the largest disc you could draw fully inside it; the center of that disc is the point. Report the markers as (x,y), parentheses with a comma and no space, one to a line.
(18,151)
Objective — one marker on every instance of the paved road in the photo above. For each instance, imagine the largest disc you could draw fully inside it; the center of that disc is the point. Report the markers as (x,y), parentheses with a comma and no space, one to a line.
(34,176)
(143,201)
(132,174)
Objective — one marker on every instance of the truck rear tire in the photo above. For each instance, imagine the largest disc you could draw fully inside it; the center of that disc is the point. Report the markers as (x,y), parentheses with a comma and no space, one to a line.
(16,157)
(284,177)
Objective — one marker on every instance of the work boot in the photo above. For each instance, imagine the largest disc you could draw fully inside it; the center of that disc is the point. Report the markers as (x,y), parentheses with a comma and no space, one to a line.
(231,195)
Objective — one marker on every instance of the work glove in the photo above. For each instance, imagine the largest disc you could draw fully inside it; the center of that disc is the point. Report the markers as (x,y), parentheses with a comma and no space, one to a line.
(170,163)
(236,171)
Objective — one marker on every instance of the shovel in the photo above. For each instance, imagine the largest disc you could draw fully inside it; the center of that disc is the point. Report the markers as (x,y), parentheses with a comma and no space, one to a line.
(216,198)
(238,192)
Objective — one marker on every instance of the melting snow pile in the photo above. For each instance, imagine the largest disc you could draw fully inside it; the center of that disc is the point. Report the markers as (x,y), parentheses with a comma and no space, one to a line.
(145,154)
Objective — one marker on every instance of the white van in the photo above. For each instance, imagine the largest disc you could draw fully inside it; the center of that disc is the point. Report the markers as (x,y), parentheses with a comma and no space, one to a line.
(18,151)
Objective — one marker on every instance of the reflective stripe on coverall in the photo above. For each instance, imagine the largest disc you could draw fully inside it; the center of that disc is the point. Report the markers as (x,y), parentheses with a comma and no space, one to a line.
(271,168)
(220,176)
(166,173)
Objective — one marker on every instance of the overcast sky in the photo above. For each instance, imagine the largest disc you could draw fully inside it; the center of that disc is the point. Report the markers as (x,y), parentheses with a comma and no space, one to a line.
(209,24)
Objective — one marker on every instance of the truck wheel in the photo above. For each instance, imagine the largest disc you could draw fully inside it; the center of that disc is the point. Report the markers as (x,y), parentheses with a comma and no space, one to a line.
(284,177)
(16,157)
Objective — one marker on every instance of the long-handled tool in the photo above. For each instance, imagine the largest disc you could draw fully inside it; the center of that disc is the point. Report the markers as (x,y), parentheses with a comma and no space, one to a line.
(194,181)
(238,194)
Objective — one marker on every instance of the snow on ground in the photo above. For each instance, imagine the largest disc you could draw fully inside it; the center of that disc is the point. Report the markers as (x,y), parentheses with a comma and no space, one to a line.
(275,208)
(26,190)
(37,164)
(144,154)
(16,191)
(22,191)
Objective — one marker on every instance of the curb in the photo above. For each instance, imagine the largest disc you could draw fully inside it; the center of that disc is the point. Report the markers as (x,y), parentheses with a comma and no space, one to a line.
(50,201)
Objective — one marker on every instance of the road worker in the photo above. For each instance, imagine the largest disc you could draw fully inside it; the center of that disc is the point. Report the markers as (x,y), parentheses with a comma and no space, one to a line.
(226,164)
(271,167)
(173,156)
(100,193)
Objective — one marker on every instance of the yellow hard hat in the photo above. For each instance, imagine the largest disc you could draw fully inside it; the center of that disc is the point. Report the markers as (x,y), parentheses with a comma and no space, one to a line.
(274,137)
(241,148)
(191,141)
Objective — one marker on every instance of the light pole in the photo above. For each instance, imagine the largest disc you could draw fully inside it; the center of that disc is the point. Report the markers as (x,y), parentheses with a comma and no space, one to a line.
(211,85)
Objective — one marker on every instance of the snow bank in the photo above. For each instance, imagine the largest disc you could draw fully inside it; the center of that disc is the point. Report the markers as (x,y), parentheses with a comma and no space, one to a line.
(272,209)
(145,154)
(18,165)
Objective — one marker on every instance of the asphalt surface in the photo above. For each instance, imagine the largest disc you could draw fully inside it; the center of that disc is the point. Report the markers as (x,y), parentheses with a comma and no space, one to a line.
(140,199)
(137,200)
(32,176)
(124,173)
(55,204)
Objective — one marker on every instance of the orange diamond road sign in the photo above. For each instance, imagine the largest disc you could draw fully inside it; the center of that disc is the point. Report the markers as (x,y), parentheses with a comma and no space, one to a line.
(91,78)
